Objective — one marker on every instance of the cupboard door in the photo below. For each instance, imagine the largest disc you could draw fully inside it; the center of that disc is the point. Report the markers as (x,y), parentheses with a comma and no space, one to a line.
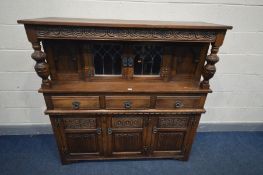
(169,135)
(82,136)
(127,135)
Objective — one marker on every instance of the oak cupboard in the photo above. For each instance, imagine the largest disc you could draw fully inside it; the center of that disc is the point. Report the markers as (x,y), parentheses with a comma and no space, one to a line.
(118,89)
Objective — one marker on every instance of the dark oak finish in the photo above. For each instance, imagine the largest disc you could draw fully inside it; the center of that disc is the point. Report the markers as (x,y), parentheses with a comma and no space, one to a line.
(118,89)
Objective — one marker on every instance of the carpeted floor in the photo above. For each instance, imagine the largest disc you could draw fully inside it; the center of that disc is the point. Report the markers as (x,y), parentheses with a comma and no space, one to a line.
(212,153)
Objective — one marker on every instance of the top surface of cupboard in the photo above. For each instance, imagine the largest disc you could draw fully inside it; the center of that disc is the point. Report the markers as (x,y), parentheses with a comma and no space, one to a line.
(122,23)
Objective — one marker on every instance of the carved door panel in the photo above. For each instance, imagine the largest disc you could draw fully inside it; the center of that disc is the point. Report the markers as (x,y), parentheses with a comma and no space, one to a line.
(127,135)
(169,134)
(82,136)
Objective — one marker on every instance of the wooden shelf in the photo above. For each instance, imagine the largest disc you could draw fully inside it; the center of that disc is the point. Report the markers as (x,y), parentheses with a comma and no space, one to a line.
(103,111)
(125,87)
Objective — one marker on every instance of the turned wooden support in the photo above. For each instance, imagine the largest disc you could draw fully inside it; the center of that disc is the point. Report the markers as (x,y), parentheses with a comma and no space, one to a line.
(41,66)
(210,68)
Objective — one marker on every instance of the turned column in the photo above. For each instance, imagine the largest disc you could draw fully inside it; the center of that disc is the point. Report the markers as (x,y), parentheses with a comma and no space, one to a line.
(210,68)
(41,66)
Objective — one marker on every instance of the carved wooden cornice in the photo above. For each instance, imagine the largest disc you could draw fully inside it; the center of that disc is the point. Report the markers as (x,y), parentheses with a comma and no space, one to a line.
(96,33)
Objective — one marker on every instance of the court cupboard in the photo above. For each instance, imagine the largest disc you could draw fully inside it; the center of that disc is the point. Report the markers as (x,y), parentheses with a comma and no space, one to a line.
(118,89)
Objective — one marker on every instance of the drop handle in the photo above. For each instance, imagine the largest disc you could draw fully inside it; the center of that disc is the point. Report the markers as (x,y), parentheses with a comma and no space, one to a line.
(178,104)
(127,104)
(75,105)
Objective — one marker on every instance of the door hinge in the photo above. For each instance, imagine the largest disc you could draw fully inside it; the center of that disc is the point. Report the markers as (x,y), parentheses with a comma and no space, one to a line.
(57,122)
(64,150)
(145,149)
(155,130)
(109,131)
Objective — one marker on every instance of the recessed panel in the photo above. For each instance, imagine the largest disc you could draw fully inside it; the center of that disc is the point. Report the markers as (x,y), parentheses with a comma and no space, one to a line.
(82,143)
(169,141)
(127,142)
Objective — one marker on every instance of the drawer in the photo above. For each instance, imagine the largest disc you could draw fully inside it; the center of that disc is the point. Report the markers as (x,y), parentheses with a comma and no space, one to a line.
(75,102)
(127,102)
(178,102)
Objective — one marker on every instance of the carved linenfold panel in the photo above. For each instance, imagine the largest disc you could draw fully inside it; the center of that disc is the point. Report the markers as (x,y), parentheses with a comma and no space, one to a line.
(82,143)
(168,141)
(80,123)
(123,34)
(173,122)
(127,142)
(127,122)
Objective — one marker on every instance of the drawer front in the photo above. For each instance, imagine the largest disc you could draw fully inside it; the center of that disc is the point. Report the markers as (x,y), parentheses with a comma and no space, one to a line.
(75,102)
(127,102)
(177,102)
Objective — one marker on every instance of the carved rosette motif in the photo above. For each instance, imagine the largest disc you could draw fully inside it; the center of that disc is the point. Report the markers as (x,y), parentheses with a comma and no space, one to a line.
(41,66)
(95,33)
(133,122)
(210,68)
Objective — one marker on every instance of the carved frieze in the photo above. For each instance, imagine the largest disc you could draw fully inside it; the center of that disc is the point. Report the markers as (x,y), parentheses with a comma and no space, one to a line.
(131,122)
(95,33)
(173,122)
(79,123)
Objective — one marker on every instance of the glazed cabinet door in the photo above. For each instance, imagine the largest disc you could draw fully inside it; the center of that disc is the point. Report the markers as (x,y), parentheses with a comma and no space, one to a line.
(169,135)
(127,135)
(81,136)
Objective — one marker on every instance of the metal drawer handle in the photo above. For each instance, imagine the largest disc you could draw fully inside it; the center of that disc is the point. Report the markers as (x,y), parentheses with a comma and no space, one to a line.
(75,104)
(178,104)
(127,104)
